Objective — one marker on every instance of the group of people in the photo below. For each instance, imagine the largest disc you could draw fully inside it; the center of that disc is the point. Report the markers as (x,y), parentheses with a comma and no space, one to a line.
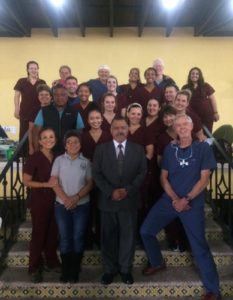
(109,154)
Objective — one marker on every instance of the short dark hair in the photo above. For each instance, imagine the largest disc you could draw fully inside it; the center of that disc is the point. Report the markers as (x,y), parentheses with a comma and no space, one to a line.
(72,133)
(92,110)
(171,85)
(59,86)
(71,77)
(167,110)
(149,69)
(119,118)
(84,84)
(185,92)
(43,87)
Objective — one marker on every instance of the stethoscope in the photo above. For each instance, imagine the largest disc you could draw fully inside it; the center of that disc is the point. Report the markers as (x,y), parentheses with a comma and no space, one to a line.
(183,161)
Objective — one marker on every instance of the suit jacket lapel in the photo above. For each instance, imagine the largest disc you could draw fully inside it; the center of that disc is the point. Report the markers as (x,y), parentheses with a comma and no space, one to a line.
(128,156)
(112,159)
(112,155)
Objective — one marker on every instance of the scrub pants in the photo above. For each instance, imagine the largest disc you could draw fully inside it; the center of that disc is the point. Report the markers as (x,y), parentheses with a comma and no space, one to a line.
(161,214)
(44,238)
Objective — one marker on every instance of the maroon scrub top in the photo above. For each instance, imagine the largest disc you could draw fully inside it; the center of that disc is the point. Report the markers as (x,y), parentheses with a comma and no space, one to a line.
(197,124)
(143,96)
(163,140)
(89,144)
(30,104)
(121,102)
(106,126)
(154,130)
(84,111)
(141,137)
(131,94)
(201,104)
(39,167)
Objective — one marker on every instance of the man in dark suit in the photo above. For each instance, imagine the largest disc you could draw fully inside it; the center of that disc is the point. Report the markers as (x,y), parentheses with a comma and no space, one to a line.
(119,168)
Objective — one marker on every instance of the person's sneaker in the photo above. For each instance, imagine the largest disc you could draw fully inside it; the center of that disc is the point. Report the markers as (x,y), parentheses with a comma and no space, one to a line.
(36,277)
(152,270)
(212,296)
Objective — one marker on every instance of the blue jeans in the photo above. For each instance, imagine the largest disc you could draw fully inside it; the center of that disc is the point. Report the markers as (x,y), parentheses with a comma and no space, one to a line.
(72,227)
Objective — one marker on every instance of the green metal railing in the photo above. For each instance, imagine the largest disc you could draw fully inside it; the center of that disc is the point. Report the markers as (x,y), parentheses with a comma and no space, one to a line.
(220,191)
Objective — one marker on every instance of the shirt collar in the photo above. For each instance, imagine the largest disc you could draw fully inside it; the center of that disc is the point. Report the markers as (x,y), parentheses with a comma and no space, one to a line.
(116,144)
(68,156)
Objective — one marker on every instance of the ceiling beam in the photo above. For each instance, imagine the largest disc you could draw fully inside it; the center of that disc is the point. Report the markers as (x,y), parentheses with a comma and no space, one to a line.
(10,34)
(212,10)
(172,19)
(111,17)
(169,30)
(227,33)
(11,29)
(218,27)
(15,12)
(51,18)
(146,4)
(79,9)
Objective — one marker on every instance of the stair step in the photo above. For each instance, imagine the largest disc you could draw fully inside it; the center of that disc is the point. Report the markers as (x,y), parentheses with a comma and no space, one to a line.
(115,298)
(15,282)
(213,231)
(223,254)
(208,213)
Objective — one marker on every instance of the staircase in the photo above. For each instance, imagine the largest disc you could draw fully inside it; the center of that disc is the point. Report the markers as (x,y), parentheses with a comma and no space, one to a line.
(179,280)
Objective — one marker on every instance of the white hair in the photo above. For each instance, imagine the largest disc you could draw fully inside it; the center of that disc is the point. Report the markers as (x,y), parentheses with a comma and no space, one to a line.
(158,61)
(178,116)
(104,67)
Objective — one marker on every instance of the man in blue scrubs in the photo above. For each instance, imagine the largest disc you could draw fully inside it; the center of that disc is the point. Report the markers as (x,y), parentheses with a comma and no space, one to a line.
(185,172)
(98,86)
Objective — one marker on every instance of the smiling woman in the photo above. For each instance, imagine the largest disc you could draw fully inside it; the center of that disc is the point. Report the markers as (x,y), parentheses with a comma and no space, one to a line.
(26,100)
(203,100)
(44,231)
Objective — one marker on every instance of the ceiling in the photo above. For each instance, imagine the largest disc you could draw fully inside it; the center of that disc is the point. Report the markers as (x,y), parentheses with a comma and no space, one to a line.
(207,17)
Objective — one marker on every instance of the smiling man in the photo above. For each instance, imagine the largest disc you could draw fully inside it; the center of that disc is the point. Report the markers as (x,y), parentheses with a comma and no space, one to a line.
(185,172)
(59,116)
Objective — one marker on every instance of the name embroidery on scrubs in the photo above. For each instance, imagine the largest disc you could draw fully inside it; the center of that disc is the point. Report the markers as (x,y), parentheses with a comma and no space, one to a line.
(183,161)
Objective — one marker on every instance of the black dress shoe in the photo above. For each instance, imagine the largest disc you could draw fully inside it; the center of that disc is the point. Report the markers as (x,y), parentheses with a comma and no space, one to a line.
(127,278)
(107,278)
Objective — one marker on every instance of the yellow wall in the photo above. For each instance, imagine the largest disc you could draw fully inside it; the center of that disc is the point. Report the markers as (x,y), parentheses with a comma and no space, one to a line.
(181,51)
